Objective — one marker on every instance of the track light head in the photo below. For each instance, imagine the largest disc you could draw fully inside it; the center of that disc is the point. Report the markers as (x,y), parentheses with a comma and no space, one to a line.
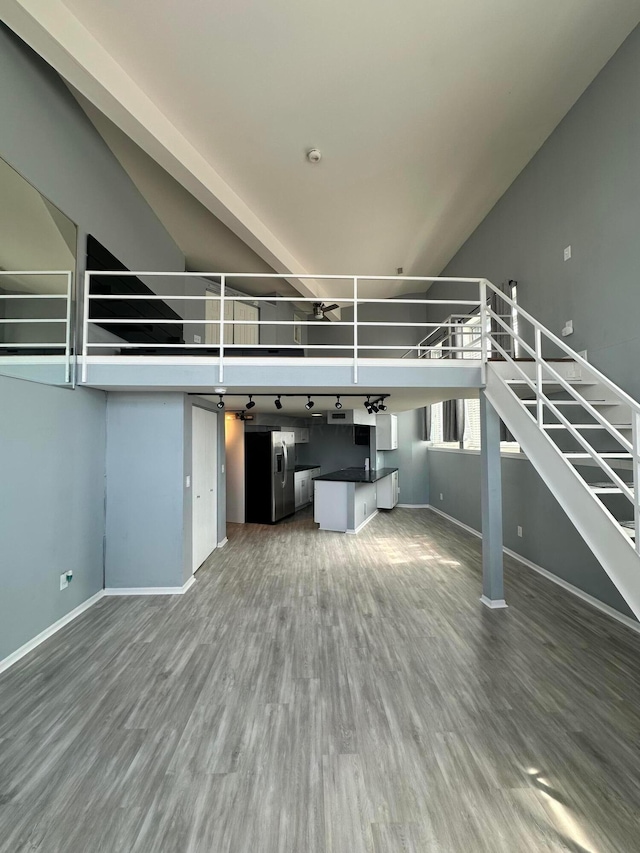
(367,405)
(251,403)
(309,404)
(338,403)
(277,402)
(374,408)
(220,403)
(381,405)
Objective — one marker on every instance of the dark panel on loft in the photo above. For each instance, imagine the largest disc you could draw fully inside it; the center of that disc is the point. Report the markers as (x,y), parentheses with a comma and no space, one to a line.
(100,258)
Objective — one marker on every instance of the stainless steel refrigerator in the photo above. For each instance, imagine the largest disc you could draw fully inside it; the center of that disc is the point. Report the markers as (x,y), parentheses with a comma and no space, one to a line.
(269,466)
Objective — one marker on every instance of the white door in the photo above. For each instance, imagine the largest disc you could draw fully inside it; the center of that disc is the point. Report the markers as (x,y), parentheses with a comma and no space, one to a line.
(204,485)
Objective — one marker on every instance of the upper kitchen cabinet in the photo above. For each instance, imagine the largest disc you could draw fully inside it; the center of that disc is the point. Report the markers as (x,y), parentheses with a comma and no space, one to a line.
(301,435)
(386,432)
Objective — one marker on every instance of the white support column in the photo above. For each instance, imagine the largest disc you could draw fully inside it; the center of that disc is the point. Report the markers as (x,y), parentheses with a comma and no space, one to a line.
(492,559)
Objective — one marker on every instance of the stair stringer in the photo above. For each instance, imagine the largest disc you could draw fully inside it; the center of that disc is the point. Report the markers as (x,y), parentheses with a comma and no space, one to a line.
(591,519)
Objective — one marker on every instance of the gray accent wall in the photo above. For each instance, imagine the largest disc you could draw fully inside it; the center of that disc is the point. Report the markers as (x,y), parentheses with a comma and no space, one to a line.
(52,451)
(410,458)
(581,189)
(52,441)
(146,524)
(549,539)
(331,447)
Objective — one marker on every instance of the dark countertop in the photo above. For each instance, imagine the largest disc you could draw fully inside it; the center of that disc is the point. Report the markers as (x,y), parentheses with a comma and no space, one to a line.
(305,468)
(357,475)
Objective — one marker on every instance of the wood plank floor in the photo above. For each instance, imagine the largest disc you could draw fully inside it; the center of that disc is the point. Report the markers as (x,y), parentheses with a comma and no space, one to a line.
(322,693)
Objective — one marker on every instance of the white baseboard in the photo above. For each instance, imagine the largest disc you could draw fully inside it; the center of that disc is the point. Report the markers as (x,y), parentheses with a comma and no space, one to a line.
(493,603)
(574,590)
(223,543)
(14,657)
(366,521)
(150,590)
(414,506)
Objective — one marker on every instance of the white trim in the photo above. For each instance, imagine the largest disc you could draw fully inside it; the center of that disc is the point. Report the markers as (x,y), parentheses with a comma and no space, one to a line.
(14,657)
(151,590)
(414,506)
(574,590)
(493,603)
(223,542)
(360,526)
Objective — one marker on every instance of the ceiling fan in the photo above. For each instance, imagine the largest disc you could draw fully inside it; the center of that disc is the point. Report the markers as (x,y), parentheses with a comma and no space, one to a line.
(320,309)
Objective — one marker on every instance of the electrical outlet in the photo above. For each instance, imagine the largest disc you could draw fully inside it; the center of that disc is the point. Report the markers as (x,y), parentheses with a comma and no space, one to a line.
(188,481)
(197,339)
(567,253)
(64,583)
(519,531)
(441,497)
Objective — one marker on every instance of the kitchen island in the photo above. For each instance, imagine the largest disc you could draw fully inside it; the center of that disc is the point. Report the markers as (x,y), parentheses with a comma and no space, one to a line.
(346,500)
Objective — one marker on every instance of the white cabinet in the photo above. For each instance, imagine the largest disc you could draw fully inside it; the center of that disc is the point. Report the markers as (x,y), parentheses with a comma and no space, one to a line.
(387,491)
(386,432)
(304,486)
(301,435)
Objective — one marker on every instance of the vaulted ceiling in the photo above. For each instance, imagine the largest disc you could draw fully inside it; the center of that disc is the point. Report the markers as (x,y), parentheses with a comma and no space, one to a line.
(424,111)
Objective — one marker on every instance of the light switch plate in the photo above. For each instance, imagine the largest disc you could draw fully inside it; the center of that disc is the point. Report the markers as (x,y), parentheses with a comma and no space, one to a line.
(567,253)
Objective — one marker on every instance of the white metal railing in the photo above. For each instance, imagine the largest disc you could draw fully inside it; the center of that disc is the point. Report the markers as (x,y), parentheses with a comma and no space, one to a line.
(31,323)
(355,298)
(545,372)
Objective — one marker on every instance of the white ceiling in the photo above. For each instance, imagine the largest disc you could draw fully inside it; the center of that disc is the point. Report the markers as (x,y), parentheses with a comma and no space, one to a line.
(425,110)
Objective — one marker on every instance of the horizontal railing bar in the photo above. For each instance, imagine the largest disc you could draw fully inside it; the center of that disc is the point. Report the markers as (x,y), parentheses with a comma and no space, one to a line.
(33,295)
(154,321)
(39,345)
(35,272)
(214,297)
(34,320)
(124,344)
(284,276)
(116,321)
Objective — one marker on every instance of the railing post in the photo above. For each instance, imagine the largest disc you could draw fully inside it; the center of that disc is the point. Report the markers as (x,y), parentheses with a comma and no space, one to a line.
(85,324)
(635,443)
(538,352)
(484,328)
(67,340)
(221,350)
(355,330)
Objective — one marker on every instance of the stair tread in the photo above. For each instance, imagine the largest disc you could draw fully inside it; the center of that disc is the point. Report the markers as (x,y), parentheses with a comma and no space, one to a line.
(579,455)
(575,402)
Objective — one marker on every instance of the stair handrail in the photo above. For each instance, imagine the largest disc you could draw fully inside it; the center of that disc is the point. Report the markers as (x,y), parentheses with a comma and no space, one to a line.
(633,447)
(626,398)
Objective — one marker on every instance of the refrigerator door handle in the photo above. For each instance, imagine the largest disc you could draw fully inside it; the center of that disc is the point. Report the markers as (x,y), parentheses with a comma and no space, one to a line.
(285,466)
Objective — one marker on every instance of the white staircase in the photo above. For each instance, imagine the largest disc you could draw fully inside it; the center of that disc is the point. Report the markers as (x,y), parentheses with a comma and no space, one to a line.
(580,432)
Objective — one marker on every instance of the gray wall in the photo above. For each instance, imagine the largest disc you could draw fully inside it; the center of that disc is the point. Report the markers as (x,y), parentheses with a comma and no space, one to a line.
(326,332)
(52,441)
(331,447)
(549,539)
(46,136)
(581,189)
(145,525)
(52,448)
(410,458)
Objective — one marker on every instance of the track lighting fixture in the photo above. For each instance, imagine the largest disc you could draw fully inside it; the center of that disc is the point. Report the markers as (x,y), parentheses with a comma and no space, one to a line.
(367,404)
(220,403)
(374,407)
(381,405)
(338,403)
(278,403)
(309,404)
(251,403)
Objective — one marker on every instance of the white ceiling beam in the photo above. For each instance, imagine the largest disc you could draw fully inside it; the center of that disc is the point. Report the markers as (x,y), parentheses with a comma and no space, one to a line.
(53,32)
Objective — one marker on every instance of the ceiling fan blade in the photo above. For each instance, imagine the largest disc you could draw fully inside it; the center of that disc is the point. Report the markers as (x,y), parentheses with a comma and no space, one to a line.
(333,307)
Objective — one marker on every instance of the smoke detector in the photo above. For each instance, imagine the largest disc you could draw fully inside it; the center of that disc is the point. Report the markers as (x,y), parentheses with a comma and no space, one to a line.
(314,155)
